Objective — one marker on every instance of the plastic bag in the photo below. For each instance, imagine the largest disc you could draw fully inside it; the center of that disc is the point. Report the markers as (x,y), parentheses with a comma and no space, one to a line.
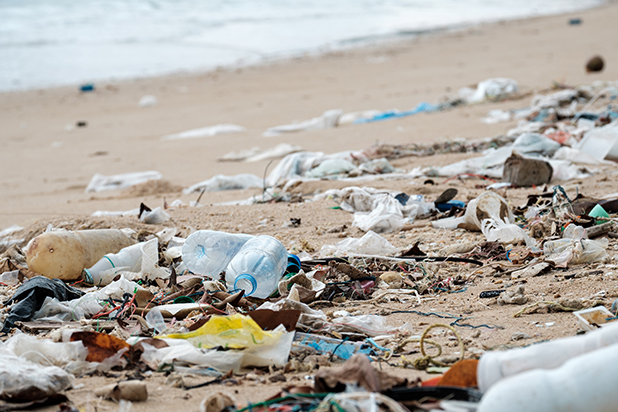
(386,216)
(331,167)
(221,182)
(100,183)
(233,332)
(502,231)
(370,244)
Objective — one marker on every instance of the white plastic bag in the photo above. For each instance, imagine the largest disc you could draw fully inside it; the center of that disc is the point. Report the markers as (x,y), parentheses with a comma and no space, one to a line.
(222,182)
(99,183)
(370,244)
(505,232)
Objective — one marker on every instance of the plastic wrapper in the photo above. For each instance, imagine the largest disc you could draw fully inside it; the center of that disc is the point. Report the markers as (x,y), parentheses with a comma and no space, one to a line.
(370,325)
(563,252)
(370,244)
(99,182)
(502,231)
(601,142)
(222,182)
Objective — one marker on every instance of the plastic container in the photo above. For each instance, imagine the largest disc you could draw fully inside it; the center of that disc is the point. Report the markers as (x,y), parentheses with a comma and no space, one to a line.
(584,383)
(258,267)
(64,254)
(208,252)
(498,365)
(128,259)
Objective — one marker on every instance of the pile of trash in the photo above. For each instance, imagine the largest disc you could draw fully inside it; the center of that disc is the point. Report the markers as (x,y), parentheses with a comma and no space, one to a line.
(212,305)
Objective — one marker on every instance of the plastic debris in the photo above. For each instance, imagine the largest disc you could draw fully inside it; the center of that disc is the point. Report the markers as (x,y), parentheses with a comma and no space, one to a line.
(99,183)
(205,132)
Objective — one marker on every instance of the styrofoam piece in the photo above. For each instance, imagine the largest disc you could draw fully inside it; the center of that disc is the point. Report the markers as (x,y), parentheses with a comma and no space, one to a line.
(590,317)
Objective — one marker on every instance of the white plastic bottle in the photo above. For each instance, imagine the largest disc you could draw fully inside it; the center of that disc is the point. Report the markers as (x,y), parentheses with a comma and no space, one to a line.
(258,267)
(498,365)
(128,259)
(584,383)
(208,252)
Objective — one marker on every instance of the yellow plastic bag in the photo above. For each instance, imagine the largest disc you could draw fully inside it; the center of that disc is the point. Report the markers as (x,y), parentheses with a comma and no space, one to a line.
(232,332)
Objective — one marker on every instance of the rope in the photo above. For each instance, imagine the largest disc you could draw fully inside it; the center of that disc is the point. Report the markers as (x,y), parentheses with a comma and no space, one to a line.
(424,361)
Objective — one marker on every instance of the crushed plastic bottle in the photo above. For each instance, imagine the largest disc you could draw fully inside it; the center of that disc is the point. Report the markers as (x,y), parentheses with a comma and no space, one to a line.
(258,267)
(208,252)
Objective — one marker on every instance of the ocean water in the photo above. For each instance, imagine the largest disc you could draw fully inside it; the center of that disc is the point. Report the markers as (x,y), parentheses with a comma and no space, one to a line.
(57,42)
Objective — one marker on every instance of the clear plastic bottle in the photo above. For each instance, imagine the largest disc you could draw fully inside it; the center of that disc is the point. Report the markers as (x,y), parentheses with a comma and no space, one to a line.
(258,267)
(208,252)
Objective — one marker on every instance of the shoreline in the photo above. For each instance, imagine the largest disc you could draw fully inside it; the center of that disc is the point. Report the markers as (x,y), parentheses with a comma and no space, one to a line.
(351,45)
(48,161)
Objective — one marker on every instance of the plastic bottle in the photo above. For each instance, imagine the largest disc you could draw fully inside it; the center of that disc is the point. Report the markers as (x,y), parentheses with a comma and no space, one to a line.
(129,259)
(258,267)
(497,365)
(584,383)
(64,254)
(208,252)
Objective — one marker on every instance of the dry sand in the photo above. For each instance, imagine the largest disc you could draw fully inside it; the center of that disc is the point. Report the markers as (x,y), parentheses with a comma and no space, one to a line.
(45,168)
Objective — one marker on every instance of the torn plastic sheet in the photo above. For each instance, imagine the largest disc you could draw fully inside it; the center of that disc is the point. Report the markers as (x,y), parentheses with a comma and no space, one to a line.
(31,295)
(22,380)
(325,345)
(87,305)
(296,165)
(222,182)
(99,182)
(327,120)
(491,164)
(205,132)
(422,107)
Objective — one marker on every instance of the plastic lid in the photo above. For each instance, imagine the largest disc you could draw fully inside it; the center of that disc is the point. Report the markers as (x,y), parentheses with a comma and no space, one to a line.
(293,264)
(250,279)
(87,276)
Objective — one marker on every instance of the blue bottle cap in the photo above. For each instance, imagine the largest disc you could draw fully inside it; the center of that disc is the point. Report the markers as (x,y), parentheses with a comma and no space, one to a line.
(293,264)
(250,279)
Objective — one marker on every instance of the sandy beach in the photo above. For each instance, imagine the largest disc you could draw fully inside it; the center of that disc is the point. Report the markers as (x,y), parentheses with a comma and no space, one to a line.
(47,161)
(46,168)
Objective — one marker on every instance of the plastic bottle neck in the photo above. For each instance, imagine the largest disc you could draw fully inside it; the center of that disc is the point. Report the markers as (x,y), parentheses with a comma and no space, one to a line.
(247,283)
